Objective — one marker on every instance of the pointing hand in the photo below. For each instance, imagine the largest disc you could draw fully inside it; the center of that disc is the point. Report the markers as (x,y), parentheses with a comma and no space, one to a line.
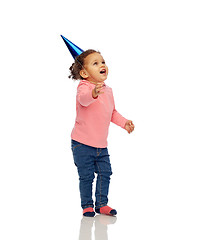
(97,90)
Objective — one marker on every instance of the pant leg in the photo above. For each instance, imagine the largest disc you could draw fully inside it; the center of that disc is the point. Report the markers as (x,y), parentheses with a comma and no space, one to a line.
(85,165)
(104,171)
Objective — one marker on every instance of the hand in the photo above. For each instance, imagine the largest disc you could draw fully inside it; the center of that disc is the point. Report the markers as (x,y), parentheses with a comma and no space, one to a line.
(97,90)
(129,126)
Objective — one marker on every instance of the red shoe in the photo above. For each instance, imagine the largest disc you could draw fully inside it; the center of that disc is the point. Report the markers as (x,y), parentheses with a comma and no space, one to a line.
(88,212)
(106,210)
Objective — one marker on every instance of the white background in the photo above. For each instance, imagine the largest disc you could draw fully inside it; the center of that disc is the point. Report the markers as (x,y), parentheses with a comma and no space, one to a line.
(152,50)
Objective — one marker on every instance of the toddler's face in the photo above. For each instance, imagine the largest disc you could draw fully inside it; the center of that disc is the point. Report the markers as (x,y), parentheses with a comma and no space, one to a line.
(95,67)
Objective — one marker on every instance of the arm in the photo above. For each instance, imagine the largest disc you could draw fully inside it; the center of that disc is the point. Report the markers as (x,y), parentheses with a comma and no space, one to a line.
(118,119)
(84,95)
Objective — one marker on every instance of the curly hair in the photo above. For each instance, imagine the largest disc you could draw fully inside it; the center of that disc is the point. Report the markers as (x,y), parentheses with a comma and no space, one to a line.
(78,64)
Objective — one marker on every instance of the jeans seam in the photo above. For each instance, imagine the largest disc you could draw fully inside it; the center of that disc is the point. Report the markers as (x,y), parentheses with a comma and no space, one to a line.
(100,182)
(98,152)
(76,146)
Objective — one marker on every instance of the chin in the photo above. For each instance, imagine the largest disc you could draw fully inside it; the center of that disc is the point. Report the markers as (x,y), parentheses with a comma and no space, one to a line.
(101,80)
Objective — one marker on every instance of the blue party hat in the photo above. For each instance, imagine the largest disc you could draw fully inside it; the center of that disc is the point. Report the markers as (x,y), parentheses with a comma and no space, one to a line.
(74,50)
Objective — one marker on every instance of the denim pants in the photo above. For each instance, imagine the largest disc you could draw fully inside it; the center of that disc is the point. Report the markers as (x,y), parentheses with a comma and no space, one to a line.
(90,160)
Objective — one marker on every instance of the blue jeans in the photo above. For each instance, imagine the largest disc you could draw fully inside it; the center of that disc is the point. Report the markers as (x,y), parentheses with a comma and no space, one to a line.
(90,160)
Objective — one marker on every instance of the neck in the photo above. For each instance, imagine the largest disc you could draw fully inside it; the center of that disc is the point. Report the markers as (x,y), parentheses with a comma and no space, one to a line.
(92,82)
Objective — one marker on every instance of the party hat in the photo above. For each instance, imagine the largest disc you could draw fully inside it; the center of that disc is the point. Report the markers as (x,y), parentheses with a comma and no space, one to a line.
(74,50)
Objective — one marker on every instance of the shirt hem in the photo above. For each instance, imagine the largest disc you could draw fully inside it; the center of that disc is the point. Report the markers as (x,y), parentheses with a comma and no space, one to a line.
(89,144)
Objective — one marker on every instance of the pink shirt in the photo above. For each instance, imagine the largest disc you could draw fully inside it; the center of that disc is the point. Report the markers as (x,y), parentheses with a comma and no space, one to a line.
(94,115)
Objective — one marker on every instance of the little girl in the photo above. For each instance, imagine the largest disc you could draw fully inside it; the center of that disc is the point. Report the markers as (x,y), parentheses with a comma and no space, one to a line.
(95,110)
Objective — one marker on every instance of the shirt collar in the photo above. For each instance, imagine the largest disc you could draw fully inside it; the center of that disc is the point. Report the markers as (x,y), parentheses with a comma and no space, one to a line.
(93,82)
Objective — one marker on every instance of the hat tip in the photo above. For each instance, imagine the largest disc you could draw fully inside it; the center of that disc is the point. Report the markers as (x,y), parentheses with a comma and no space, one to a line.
(74,49)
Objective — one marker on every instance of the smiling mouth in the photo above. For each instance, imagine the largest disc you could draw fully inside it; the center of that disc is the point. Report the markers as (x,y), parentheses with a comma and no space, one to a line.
(103,71)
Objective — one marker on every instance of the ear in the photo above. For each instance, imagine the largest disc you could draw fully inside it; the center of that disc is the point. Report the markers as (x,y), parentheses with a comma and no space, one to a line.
(83,73)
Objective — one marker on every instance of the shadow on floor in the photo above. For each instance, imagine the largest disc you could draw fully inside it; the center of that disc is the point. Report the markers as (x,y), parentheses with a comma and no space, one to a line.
(100,222)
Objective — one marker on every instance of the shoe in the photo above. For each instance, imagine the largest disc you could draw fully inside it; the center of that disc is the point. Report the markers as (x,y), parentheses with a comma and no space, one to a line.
(106,210)
(88,212)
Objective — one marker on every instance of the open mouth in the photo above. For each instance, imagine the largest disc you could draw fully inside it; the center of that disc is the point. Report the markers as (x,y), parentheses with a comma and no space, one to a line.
(103,71)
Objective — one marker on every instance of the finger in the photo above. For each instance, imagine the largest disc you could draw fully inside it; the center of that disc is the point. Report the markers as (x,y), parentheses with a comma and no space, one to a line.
(131,129)
(100,85)
(128,130)
(98,90)
(130,122)
(130,125)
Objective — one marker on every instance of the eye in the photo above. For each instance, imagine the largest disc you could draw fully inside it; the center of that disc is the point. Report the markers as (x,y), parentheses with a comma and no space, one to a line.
(95,63)
(103,62)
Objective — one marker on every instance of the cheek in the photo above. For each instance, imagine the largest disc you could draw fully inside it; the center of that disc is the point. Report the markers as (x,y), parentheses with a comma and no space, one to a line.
(107,70)
(93,73)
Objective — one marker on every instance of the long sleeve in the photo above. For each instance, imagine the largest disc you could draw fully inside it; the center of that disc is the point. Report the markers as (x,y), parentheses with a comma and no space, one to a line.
(84,94)
(118,119)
